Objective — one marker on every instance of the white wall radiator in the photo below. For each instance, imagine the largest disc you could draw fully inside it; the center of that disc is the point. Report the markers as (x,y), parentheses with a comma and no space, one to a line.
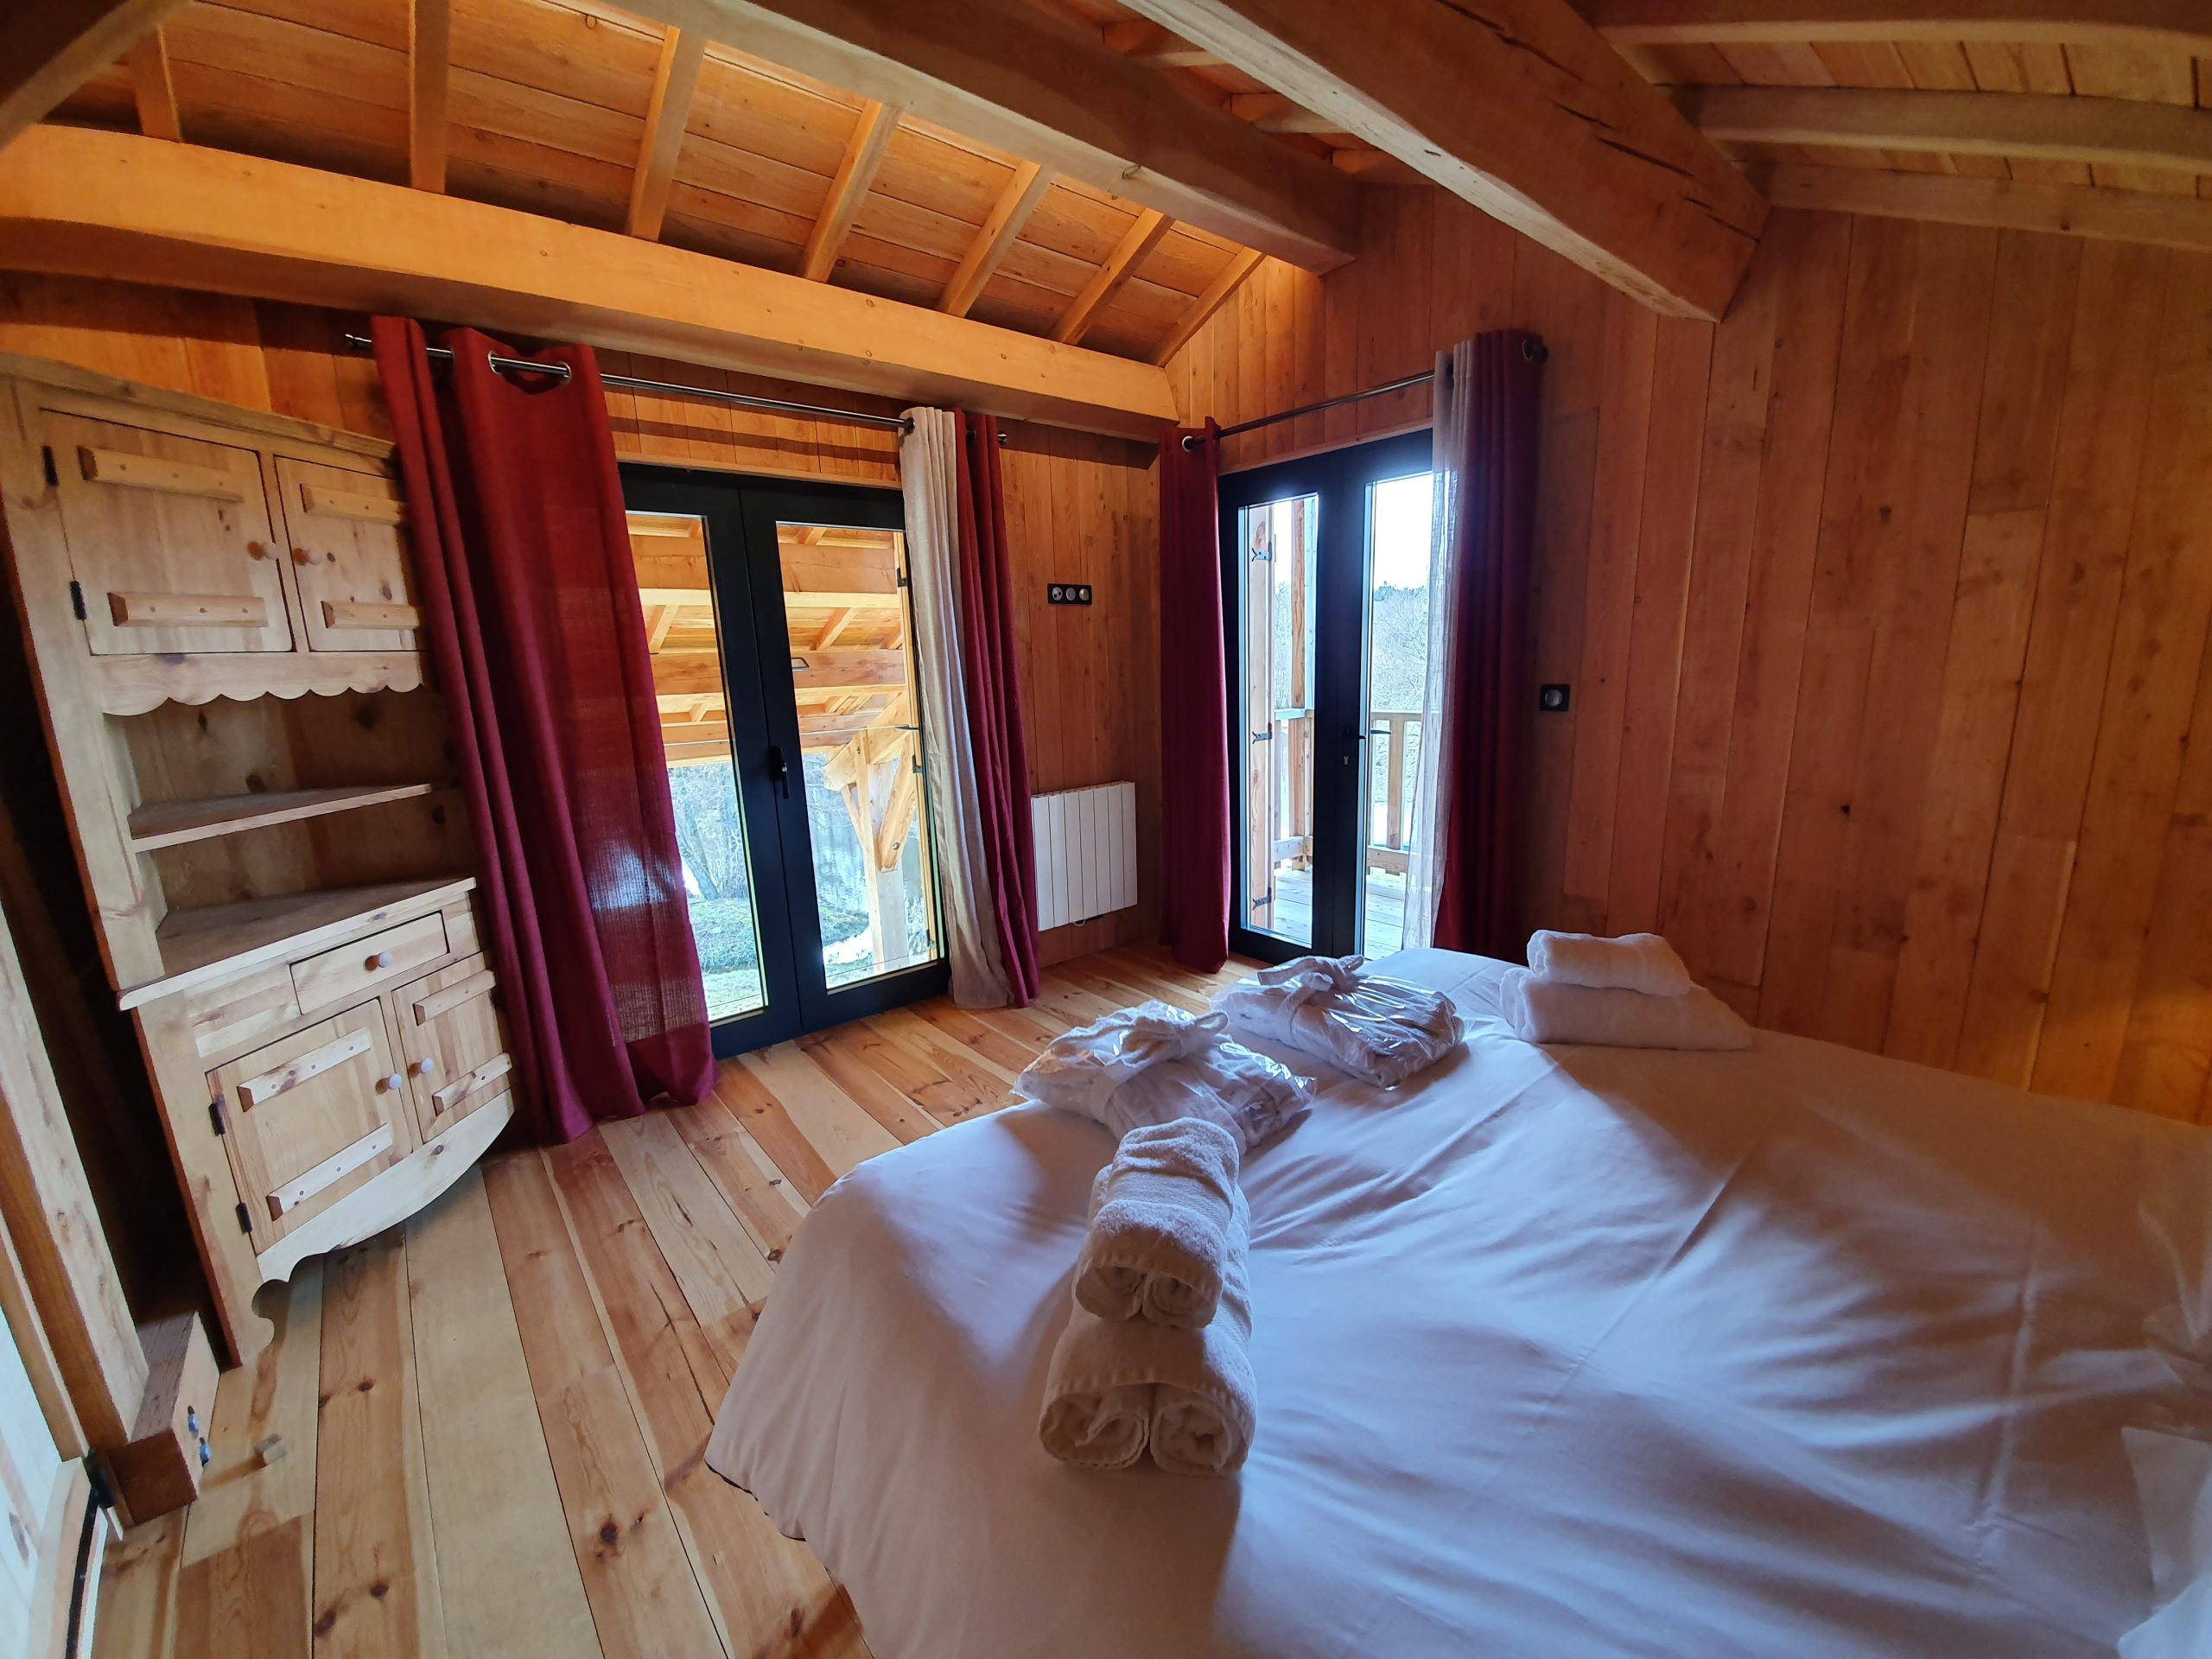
(1086,852)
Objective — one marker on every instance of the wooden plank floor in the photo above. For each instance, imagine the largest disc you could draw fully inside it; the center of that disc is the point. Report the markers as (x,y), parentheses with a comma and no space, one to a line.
(481,1433)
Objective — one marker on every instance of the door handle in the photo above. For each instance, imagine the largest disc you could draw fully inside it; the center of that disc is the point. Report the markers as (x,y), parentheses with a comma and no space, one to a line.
(778,774)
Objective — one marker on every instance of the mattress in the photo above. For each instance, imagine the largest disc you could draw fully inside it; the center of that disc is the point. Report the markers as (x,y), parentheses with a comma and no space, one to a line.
(1579,1351)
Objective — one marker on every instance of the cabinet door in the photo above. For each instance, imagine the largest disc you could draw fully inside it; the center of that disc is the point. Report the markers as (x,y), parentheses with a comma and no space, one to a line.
(311,1118)
(350,557)
(455,1053)
(169,538)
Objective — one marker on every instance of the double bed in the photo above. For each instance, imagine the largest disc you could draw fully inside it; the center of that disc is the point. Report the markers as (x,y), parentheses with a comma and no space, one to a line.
(1791,1351)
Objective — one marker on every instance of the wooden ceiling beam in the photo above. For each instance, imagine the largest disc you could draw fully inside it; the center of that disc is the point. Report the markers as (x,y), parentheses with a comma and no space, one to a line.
(1135,38)
(864,152)
(2001,204)
(429,73)
(2115,131)
(1272,112)
(675,81)
(78,202)
(153,89)
(1519,107)
(2184,23)
(1141,238)
(997,233)
(1007,74)
(49,49)
(1241,265)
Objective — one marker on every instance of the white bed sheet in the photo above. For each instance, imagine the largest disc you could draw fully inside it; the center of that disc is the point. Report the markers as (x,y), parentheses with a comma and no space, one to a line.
(1791,1351)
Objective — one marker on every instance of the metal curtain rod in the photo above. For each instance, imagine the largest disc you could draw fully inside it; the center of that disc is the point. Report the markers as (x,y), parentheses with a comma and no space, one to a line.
(444,354)
(1532,348)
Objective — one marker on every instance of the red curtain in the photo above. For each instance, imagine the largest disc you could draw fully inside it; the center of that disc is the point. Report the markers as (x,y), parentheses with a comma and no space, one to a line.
(1492,697)
(529,604)
(993,689)
(1193,704)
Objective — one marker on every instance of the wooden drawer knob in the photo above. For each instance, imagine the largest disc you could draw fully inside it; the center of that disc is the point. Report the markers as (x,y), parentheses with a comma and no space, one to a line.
(301,555)
(393,1083)
(424,1068)
(382,959)
(256,550)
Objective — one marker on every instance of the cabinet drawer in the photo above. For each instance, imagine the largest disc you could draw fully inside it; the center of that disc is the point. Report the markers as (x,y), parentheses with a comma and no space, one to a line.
(452,1046)
(351,970)
(308,1120)
(224,1016)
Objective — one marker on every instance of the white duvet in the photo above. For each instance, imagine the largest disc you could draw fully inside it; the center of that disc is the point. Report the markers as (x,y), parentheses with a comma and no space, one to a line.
(1796,1351)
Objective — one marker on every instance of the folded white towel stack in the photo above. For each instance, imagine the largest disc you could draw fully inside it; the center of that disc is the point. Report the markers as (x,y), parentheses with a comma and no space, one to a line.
(1159,1231)
(1547,1011)
(1152,1064)
(1115,1387)
(1635,962)
(1381,1030)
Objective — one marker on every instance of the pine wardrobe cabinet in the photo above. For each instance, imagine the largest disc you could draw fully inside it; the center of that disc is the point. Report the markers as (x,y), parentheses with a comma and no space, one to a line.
(219,607)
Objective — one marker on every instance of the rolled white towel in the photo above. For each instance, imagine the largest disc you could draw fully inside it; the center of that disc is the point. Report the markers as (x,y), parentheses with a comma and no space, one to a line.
(1152,1064)
(1381,1030)
(1115,1387)
(1635,962)
(1160,1225)
(1546,1011)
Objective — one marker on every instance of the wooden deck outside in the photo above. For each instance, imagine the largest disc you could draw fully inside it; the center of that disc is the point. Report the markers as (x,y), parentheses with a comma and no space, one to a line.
(574,1315)
(1386,908)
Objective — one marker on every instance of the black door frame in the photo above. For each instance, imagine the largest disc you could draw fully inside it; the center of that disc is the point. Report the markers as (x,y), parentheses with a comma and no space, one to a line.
(1340,479)
(746,573)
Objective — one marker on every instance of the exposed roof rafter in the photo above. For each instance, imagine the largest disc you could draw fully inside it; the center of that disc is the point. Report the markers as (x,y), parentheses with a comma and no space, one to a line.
(49,49)
(153,89)
(994,236)
(1676,22)
(1242,264)
(1143,236)
(2116,131)
(429,74)
(864,152)
(676,79)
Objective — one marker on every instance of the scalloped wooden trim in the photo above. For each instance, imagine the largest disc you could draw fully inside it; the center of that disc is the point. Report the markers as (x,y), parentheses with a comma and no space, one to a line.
(137,685)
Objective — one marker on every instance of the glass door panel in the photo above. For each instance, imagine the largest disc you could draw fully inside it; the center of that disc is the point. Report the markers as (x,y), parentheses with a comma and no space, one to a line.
(670,549)
(852,675)
(1324,571)
(1398,511)
(781,646)
(1275,625)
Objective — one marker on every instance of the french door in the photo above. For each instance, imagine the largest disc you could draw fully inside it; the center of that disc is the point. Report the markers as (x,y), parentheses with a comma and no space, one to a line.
(783,667)
(1324,603)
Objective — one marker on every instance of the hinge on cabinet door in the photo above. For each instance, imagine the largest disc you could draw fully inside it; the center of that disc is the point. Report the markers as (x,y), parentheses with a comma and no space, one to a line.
(215,1115)
(245,1219)
(76,599)
(53,476)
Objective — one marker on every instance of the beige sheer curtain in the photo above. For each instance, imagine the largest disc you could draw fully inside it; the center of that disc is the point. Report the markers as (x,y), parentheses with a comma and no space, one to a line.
(929,459)
(1425,852)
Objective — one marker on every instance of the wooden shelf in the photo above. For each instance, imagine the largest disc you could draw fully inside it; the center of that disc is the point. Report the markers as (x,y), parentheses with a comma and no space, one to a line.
(171,824)
(198,946)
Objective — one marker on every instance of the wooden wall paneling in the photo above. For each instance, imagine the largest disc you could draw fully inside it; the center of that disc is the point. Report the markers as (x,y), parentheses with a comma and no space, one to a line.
(1915,586)
(2167,1056)
(1979,699)
(1630,347)
(2097,466)
(2158,648)
(1556,620)
(1735,424)
(1737,889)
(1680,380)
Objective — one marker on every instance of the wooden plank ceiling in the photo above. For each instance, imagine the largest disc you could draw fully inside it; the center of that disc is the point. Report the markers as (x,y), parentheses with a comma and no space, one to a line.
(586,113)
(1785,86)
